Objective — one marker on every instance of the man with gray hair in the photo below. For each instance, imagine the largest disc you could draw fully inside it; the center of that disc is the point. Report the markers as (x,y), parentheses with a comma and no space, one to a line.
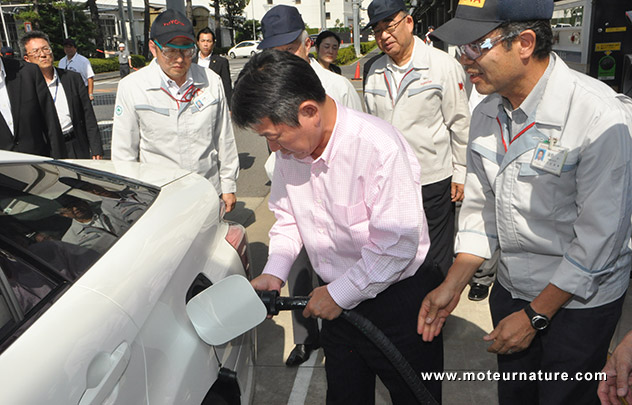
(283,29)
(420,90)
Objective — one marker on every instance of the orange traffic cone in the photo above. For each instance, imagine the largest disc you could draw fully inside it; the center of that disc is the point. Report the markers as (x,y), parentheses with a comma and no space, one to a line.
(357,72)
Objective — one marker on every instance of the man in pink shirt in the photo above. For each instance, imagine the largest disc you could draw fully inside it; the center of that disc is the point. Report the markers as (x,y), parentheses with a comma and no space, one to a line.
(346,186)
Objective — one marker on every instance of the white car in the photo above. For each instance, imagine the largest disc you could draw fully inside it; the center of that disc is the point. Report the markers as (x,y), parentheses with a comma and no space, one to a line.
(97,262)
(244,49)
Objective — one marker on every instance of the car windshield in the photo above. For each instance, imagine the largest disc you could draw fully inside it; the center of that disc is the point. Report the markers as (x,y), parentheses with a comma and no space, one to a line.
(66,216)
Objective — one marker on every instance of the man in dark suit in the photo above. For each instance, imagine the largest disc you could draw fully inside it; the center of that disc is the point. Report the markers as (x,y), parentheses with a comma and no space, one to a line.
(219,65)
(72,103)
(28,122)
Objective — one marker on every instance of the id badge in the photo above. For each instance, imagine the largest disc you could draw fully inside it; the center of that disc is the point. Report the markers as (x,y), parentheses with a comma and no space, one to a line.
(202,100)
(549,158)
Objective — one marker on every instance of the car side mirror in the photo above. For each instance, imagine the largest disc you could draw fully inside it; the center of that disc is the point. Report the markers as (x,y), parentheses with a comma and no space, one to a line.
(225,310)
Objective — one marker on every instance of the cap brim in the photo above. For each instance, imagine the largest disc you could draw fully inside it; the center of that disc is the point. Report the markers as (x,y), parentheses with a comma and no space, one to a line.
(379,17)
(279,40)
(459,31)
(166,38)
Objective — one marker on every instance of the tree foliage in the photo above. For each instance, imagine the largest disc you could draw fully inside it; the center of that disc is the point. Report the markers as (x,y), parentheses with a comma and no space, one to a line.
(49,17)
(233,17)
(243,30)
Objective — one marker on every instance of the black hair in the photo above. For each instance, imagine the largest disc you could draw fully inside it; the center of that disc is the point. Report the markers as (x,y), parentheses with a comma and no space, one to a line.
(205,30)
(543,35)
(32,35)
(324,35)
(272,85)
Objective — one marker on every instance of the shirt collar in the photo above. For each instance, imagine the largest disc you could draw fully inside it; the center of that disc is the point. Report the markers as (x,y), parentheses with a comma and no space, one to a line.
(332,146)
(393,67)
(207,58)
(55,78)
(531,102)
(171,84)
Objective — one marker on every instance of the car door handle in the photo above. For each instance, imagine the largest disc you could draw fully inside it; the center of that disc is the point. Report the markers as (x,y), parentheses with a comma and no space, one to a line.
(104,372)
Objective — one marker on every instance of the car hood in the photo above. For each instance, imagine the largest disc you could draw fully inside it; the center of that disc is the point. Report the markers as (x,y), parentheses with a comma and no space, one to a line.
(156,175)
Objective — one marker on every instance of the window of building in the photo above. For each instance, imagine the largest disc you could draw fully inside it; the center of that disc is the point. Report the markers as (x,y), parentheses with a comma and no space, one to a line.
(269,1)
(298,1)
(328,16)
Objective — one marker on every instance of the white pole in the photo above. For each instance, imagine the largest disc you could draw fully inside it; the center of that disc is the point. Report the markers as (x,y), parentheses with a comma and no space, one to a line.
(4,26)
(254,30)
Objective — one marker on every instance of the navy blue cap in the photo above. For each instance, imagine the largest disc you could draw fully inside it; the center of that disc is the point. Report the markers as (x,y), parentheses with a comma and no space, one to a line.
(69,42)
(281,25)
(171,24)
(381,9)
(476,18)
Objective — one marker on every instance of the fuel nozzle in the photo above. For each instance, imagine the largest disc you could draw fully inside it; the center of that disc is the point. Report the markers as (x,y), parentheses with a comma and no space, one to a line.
(274,303)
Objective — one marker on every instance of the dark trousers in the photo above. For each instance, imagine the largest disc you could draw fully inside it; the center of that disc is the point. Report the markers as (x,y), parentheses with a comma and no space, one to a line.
(352,361)
(301,281)
(577,340)
(439,211)
(123,69)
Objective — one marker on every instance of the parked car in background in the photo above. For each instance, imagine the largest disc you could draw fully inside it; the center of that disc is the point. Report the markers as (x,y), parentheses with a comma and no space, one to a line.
(244,49)
(97,262)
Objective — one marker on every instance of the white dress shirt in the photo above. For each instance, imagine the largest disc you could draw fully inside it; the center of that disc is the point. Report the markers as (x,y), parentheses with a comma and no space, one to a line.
(79,64)
(61,103)
(204,62)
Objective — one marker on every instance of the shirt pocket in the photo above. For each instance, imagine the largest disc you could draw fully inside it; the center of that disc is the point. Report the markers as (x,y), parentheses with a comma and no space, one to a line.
(155,122)
(353,225)
(428,98)
(546,194)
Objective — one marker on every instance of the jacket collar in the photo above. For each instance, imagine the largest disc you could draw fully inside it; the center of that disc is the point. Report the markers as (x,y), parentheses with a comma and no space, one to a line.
(155,81)
(557,94)
(420,59)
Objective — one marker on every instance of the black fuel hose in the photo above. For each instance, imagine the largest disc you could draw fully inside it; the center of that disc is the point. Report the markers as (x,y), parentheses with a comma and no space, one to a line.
(274,304)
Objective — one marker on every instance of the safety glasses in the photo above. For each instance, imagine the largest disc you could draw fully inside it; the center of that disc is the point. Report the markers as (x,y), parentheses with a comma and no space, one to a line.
(173,51)
(474,50)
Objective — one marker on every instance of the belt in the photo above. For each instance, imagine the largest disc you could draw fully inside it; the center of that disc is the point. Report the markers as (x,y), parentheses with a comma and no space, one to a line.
(70,135)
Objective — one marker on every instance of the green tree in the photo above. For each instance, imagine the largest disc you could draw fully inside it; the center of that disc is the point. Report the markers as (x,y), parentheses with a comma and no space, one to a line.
(243,30)
(94,16)
(234,10)
(49,18)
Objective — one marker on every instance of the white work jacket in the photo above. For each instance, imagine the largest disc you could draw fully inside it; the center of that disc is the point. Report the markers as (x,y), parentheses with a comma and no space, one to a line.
(151,126)
(570,230)
(336,86)
(430,108)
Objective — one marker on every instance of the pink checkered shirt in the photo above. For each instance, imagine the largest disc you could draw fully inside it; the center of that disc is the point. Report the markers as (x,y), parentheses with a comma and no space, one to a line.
(356,208)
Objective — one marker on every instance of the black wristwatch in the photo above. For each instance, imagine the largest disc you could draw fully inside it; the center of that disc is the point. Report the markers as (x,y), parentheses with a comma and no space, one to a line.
(538,321)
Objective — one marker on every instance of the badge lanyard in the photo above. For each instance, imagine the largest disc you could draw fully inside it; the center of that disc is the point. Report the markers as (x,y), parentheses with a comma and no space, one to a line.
(502,136)
(186,97)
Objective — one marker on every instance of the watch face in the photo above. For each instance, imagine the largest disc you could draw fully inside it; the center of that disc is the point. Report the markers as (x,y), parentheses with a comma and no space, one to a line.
(539,322)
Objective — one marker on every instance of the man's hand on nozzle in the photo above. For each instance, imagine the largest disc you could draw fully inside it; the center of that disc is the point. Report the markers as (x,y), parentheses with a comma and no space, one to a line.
(267,282)
(321,305)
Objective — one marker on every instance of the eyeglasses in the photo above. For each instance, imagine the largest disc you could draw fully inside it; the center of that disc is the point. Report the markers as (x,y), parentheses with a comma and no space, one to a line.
(173,51)
(474,50)
(389,29)
(45,50)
